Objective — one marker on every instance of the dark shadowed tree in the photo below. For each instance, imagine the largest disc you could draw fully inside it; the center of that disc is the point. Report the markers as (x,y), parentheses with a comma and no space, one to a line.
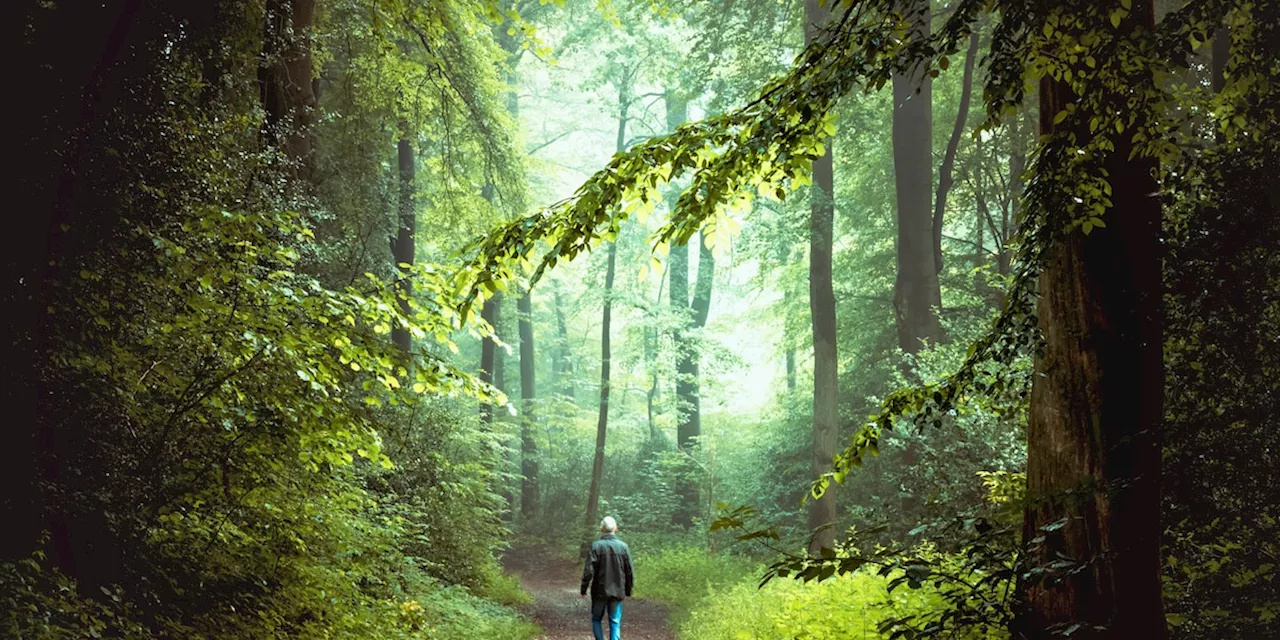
(1093,446)
(285,80)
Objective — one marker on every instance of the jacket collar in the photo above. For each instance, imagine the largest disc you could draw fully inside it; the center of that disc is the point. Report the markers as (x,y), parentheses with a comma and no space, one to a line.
(608,536)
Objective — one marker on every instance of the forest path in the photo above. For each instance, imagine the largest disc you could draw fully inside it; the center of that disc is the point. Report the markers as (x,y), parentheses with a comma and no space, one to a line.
(553,583)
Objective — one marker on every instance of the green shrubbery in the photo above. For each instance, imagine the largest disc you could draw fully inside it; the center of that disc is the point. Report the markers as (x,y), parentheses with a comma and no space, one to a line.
(842,607)
(681,577)
(720,598)
(41,604)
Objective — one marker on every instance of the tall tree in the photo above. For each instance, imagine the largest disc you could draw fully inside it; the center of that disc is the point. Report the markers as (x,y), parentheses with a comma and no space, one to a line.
(916,293)
(606,322)
(528,421)
(1093,447)
(285,80)
(945,170)
(822,309)
(562,369)
(1219,55)
(491,311)
(406,227)
(602,421)
(691,313)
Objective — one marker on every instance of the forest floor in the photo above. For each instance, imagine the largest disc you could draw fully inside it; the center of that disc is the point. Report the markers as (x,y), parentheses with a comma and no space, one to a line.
(553,583)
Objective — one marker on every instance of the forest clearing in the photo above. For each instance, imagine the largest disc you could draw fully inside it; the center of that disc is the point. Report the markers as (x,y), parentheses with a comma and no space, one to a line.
(775,319)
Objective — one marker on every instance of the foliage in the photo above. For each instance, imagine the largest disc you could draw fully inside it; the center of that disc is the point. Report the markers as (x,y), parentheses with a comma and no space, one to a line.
(235,448)
(687,578)
(853,605)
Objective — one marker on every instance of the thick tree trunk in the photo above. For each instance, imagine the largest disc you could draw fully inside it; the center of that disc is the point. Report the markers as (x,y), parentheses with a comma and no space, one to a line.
(602,422)
(1093,446)
(916,292)
(822,308)
(41,445)
(688,414)
(953,145)
(528,392)
(406,227)
(287,92)
(688,410)
(687,426)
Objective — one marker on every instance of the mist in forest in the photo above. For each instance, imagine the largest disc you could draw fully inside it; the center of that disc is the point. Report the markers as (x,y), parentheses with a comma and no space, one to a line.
(714,319)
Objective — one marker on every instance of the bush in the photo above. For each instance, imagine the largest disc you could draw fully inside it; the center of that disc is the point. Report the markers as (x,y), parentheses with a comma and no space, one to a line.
(682,577)
(842,607)
(39,603)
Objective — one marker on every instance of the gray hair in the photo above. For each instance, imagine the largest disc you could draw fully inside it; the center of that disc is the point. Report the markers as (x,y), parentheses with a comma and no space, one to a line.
(609,525)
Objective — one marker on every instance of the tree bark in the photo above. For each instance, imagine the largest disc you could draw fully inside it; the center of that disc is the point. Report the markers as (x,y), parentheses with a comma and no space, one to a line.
(602,422)
(1009,213)
(606,347)
(406,227)
(528,392)
(687,427)
(791,370)
(947,167)
(917,294)
(1220,54)
(822,308)
(651,338)
(688,411)
(287,93)
(564,356)
(492,313)
(1093,446)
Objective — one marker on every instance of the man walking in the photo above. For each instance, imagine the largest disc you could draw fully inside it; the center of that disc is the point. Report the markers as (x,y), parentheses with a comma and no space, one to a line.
(608,574)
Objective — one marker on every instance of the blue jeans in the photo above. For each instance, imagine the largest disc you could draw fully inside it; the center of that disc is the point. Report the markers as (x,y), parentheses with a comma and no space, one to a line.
(614,610)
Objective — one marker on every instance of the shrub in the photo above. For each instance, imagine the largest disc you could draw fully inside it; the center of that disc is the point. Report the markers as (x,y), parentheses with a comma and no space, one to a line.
(839,608)
(682,577)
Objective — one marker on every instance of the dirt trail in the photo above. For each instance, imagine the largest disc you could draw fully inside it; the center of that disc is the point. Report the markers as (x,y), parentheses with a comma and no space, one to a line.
(553,583)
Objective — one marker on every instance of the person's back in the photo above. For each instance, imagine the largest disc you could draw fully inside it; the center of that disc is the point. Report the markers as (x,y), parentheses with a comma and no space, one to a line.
(609,577)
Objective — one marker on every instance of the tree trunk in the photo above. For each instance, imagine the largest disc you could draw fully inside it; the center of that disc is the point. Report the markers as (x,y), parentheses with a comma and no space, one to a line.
(528,391)
(953,144)
(1220,54)
(287,93)
(606,348)
(916,292)
(1010,212)
(701,303)
(1093,446)
(500,382)
(564,356)
(602,422)
(688,411)
(822,308)
(651,339)
(406,226)
(791,370)
(687,426)
(492,313)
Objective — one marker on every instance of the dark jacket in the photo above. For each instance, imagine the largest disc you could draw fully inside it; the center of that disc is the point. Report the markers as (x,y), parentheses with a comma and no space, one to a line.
(608,569)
